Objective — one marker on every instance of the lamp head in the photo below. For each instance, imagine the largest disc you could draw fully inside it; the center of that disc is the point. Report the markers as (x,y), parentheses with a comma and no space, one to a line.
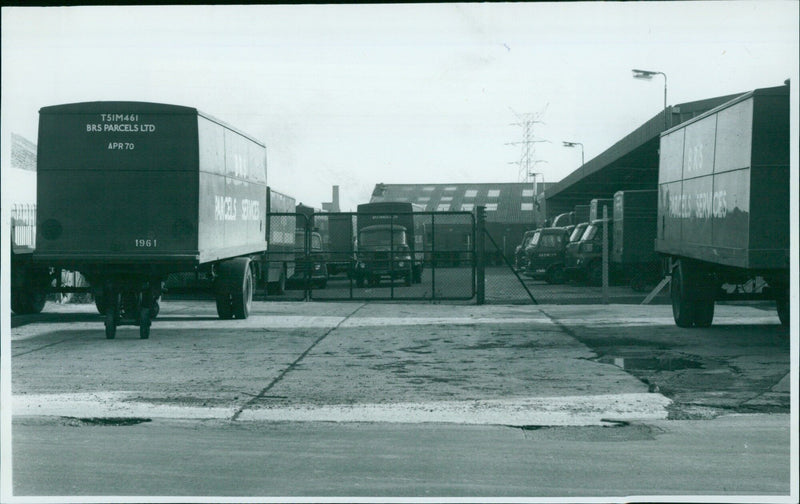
(643,74)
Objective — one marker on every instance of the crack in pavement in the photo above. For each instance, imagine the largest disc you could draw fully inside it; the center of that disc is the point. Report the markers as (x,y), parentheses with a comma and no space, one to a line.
(291,366)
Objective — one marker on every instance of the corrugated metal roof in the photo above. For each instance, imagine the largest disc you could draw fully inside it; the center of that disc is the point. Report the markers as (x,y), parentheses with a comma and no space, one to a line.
(507,202)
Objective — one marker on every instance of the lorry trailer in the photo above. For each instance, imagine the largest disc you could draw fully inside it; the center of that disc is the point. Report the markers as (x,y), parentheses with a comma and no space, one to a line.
(723,206)
(634,252)
(129,192)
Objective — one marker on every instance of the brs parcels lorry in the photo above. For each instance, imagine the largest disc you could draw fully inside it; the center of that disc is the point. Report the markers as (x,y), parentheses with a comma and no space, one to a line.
(129,192)
(723,206)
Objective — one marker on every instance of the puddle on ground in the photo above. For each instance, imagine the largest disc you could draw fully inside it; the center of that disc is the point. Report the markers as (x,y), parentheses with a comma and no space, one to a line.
(106,421)
(651,363)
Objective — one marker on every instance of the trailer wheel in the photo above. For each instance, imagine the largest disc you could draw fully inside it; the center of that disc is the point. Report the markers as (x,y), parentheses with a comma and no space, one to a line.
(242,294)
(222,293)
(782,304)
(234,288)
(28,302)
(682,306)
(100,304)
(703,312)
(144,323)
(594,275)
(556,276)
(224,306)
(111,324)
(417,274)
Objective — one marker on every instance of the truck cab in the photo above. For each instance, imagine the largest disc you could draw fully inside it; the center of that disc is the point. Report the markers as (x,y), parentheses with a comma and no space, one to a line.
(520,256)
(383,251)
(545,254)
(584,257)
(309,259)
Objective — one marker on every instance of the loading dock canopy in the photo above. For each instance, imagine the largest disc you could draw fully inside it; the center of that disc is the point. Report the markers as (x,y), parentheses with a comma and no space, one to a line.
(630,164)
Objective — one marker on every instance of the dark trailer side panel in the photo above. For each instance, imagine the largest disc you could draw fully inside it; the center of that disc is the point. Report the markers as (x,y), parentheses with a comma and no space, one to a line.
(724,184)
(146,183)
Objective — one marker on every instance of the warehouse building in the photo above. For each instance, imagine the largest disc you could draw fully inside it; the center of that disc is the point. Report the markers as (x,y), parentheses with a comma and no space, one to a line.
(511,208)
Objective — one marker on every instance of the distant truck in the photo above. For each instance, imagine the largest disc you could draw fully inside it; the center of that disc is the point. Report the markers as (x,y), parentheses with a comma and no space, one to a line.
(339,243)
(723,206)
(584,258)
(545,254)
(280,263)
(390,243)
(130,192)
(634,252)
(596,208)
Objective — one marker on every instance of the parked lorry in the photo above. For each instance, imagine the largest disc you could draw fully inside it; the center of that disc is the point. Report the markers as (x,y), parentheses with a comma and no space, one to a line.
(723,206)
(311,268)
(339,243)
(390,243)
(280,263)
(545,253)
(584,258)
(596,208)
(129,192)
(633,253)
(520,254)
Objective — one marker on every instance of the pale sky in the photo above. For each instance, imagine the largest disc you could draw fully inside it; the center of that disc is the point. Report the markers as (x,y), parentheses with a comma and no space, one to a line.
(356,95)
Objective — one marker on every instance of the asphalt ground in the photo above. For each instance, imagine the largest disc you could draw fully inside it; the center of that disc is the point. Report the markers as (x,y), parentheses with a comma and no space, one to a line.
(403,399)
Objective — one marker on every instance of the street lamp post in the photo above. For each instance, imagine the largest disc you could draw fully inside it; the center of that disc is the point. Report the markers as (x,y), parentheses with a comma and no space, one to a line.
(575,144)
(647,75)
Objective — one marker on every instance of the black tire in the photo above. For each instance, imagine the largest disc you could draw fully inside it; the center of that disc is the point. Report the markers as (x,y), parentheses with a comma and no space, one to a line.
(224,305)
(682,306)
(280,286)
(154,310)
(100,304)
(703,312)
(360,280)
(557,276)
(594,274)
(28,302)
(144,323)
(242,289)
(111,324)
(782,304)
(407,279)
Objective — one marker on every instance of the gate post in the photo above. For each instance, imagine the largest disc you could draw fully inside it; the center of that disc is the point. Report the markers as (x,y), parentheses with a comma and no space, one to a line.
(480,253)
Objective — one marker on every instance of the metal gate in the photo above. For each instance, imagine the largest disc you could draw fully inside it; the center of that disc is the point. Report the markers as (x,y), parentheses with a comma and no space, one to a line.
(377,256)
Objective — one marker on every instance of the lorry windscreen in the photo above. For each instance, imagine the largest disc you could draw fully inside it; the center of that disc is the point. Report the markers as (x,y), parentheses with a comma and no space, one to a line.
(591,232)
(382,238)
(299,241)
(577,233)
(535,239)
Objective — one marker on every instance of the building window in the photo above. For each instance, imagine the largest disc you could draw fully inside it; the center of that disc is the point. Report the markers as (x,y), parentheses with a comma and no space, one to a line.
(494,193)
(491,207)
(471,193)
(443,207)
(527,193)
(450,188)
(467,207)
(447,198)
(527,206)
(428,188)
(423,199)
